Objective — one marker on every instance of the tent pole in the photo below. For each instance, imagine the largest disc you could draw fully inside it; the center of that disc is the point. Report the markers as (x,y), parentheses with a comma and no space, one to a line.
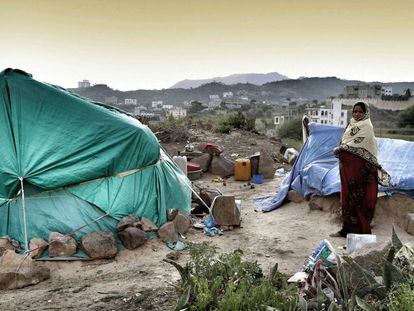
(26,246)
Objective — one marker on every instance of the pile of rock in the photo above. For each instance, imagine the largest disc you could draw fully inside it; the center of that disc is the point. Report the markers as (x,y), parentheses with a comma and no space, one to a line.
(178,224)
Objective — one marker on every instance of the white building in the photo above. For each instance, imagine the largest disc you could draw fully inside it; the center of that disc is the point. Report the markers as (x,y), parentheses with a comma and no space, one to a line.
(111,100)
(84,84)
(157,104)
(214,101)
(386,91)
(227,94)
(167,107)
(177,112)
(335,115)
(131,101)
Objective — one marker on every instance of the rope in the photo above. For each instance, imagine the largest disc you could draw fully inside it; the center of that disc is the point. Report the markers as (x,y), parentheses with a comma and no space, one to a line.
(26,244)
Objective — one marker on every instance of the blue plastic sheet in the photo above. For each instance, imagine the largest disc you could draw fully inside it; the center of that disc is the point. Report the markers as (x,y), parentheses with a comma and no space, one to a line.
(316,169)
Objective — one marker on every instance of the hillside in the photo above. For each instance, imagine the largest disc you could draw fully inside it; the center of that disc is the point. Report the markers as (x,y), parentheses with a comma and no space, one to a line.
(294,89)
(253,78)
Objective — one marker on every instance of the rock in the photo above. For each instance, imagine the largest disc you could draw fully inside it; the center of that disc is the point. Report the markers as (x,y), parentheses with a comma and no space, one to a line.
(225,211)
(204,161)
(5,244)
(61,245)
(171,213)
(133,237)
(182,223)
(208,195)
(409,227)
(128,221)
(294,196)
(167,232)
(394,208)
(147,225)
(17,271)
(266,165)
(221,166)
(173,255)
(99,244)
(327,203)
(37,246)
(371,255)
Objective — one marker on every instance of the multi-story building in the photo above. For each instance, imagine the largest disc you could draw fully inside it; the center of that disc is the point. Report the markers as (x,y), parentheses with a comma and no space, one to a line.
(131,101)
(177,112)
(84,84)
(285,113)
(386,91)
(227,94)
(333,115)
(363,91)
(157,104)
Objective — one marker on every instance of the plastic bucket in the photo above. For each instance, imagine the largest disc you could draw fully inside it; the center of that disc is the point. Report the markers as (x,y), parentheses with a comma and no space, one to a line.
(257,179)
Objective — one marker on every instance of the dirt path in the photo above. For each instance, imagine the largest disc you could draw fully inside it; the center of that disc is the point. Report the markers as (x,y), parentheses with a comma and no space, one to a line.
(139,280)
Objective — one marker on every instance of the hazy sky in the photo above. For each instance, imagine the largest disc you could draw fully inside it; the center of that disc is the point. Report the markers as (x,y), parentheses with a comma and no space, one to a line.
(154,44)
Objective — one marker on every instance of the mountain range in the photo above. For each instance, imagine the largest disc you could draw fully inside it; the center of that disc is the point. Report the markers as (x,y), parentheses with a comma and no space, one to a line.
(253,78)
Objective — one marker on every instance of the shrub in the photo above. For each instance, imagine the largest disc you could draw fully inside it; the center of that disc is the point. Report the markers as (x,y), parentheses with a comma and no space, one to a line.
(401,299)
(237,121)
(224,282)
(291,129)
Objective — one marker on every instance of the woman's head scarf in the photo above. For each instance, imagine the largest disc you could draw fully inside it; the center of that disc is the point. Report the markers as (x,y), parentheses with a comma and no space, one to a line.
(359,139)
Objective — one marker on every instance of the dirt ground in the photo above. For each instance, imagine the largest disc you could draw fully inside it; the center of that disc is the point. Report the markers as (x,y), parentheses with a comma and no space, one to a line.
(140,280)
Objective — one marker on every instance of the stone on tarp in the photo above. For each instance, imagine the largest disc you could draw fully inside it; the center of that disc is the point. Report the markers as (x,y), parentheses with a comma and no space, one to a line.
(148,225)
(326,203)
(221,166)
(133,237)
(204,161)
(61,245)
(167,232)
(99,245)
(225,211)
(371,256)
(266,165)
(37,246)
(128,221)
(17,271)
(409,225)
(182,223)
(294,196)
(208,195)
(5,244)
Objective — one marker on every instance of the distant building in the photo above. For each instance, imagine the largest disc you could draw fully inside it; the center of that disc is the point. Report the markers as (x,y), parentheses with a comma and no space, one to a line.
(131,101)
(386,91)
(157,104)
(214,101)
(167,107)
(334,115)
(112,100)
(227,94)
(285,113)
(363,91)
(84,84)
(177,112)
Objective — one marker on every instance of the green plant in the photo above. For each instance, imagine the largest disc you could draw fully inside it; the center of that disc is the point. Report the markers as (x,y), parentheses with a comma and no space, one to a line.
(291,129)
(212,281)
(401,298)
(236,120)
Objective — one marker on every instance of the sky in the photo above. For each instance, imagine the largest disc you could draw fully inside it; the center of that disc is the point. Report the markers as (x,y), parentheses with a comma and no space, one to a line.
(131,45)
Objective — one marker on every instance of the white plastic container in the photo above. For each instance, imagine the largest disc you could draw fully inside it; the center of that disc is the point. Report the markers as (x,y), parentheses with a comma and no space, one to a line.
(181,162)
(357,241)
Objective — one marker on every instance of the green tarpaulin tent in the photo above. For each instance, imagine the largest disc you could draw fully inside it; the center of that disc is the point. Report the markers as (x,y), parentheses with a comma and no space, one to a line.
(80,163)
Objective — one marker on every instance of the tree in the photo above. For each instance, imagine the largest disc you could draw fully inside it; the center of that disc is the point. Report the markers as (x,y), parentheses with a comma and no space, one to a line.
(291,129)
(196,107)
(406,117)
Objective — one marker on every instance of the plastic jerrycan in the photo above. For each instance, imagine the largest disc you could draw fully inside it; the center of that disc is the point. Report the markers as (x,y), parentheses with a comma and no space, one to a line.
(242,170)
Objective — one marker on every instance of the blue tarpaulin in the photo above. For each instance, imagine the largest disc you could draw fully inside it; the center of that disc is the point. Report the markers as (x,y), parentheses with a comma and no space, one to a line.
(316,170)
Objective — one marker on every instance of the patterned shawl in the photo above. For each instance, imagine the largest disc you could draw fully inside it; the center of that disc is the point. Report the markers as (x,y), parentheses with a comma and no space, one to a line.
(359,139)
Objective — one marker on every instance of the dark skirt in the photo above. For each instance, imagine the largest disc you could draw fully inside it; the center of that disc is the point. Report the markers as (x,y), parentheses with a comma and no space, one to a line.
(359,190)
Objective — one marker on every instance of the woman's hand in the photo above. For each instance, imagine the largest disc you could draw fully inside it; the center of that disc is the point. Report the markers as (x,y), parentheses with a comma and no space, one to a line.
(336,151)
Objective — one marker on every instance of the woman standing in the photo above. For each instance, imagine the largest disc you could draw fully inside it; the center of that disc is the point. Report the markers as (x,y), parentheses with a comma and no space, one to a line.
(360,173)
